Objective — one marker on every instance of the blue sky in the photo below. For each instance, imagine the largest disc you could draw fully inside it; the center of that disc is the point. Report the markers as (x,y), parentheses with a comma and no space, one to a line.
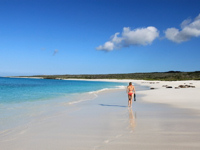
(77,36)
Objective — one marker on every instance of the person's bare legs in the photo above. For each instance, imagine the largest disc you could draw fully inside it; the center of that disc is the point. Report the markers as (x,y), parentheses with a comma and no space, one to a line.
(130,100)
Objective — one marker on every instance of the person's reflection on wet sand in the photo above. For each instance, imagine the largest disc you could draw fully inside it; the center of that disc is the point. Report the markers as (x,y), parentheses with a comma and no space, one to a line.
(131,118)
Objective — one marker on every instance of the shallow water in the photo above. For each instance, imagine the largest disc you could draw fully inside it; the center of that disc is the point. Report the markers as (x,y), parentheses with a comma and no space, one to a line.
(23,100)
(14,90)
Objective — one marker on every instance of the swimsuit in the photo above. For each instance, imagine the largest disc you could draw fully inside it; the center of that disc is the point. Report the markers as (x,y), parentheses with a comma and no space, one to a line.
(130,94)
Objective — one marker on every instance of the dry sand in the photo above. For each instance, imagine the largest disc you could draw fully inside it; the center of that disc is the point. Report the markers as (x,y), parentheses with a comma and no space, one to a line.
(106,123)
(182,97)
(188,98)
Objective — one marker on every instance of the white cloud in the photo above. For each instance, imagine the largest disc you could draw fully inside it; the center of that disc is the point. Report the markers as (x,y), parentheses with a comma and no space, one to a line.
(115,42)
(139,36)
(188,30)
(116,39)
(185,23)
(108,46)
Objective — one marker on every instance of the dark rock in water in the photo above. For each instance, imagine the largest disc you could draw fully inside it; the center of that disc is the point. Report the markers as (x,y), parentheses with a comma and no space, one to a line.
(152,88)
(152,82)
(186,86)
(168,86)
(182,86)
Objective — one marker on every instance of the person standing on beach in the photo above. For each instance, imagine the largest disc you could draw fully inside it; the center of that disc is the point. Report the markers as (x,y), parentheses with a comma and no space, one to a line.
(130,89)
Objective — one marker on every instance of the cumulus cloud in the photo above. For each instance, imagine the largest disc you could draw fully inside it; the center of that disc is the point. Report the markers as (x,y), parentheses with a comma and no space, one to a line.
(139,36)
(55,52)
(188,30)
(142,36)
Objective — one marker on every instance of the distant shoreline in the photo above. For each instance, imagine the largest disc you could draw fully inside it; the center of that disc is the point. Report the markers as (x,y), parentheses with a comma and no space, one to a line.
(162,76)
(24,77)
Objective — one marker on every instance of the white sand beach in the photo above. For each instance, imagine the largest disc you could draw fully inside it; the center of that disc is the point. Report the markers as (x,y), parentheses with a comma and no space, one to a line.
(178,97)
(161,118)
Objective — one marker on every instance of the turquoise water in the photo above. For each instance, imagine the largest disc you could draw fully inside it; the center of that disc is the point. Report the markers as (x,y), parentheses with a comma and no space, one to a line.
(23,101)
(15,90)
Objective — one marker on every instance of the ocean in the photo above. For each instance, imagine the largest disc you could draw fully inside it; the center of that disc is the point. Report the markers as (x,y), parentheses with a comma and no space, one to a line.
(22,100)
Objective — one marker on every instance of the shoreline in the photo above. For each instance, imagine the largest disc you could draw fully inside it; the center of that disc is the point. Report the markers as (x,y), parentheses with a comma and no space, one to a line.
(187,98)
(184,98)
(180,98)
(106,122)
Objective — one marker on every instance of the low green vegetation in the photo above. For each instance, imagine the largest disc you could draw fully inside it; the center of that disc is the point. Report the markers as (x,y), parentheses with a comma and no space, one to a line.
(165,76)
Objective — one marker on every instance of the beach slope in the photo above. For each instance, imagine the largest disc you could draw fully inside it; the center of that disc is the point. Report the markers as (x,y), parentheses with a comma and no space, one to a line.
(107,123)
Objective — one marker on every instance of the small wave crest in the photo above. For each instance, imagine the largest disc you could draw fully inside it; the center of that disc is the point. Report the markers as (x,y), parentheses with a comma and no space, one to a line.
(121,87)
(107,89)
(83,98)
(91,95)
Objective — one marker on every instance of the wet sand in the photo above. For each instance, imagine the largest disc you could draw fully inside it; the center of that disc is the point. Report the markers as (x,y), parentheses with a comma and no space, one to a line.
(106,123)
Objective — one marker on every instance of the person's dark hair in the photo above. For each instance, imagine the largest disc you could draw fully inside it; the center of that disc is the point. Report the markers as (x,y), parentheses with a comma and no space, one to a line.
(130,83)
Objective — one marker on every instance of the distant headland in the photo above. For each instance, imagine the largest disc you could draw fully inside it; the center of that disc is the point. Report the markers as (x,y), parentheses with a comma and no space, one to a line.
(163,76)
